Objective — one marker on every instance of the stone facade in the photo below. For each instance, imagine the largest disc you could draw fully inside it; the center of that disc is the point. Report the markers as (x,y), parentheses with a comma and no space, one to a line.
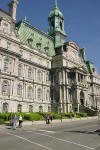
(43,72)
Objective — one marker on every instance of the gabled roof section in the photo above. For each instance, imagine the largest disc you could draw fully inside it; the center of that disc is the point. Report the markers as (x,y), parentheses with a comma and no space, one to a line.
(27,32)
(5,15)
(73,44)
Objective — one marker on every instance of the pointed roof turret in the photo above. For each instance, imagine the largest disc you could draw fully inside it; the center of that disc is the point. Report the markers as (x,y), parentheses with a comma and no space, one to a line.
(56,5)
(55,11)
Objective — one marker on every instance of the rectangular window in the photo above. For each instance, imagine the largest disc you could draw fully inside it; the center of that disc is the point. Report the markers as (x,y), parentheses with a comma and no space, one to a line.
(21,52)
(8,45)
(5,28)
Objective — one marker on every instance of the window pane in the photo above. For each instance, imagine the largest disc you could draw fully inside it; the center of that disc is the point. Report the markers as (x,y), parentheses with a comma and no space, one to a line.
(30,92)
(19,70)
(19,90)
(19,108)
(30,108)
(6,64)
(5,88)
(29,73)
(40,109)
(5,27)
(5,107)
(39,94)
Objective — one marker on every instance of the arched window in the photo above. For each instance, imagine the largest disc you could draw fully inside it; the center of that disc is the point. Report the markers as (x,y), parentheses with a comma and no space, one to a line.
(47,95)
(19,90)
(29,73)
(39,94)
(30,108)
(39,75)
(19,70)
(40,109)
(19,108)
(5,107)
(61,25)
(47,77)
(6,65)
(52,25)
(29,92)
(5,87)
(49,109)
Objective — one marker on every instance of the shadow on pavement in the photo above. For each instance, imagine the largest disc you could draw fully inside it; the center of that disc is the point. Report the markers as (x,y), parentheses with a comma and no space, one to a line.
(86,132)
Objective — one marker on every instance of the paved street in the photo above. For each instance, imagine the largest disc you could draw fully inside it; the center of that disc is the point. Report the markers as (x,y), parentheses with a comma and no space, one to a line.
(75,135)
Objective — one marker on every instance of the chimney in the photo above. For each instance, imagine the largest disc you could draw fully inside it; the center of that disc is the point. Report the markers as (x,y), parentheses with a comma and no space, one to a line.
(12,9)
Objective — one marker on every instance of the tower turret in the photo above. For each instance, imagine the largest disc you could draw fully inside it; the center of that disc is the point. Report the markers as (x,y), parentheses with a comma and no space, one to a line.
(12,9)
(56,25)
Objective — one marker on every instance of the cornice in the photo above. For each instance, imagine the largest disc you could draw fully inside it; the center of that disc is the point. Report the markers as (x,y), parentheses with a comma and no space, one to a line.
(5,50)
(35,64)
(8,37)
(36,53)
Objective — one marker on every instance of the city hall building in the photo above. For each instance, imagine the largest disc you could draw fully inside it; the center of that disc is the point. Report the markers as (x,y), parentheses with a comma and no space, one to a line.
(41,72)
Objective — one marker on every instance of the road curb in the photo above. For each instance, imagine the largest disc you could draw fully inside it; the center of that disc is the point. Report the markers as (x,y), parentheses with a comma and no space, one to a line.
(56,121)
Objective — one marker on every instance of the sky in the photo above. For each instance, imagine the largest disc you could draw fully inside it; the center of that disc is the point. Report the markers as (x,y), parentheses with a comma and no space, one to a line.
(82,21)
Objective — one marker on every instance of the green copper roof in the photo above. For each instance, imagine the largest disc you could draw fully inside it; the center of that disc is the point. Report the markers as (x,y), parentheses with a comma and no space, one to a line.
(40,40)
(55,11)
(90,66)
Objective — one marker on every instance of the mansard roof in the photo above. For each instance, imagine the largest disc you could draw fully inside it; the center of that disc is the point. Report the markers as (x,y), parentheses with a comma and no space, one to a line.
(26,31)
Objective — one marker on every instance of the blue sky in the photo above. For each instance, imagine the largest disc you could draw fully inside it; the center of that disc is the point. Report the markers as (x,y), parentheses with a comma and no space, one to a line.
(82,21)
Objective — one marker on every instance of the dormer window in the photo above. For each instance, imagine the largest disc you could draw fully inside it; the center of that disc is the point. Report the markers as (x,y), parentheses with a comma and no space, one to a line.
(30,41)
(8,45)
(38,46)
(93,69)
(46,49)
(5,27)
(21,52)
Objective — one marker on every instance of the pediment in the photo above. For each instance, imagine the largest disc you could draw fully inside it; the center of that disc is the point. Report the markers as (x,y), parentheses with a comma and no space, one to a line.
(74,45)
(81,68)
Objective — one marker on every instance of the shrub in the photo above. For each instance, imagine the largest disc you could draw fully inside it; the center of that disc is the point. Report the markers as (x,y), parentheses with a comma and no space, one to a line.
(69,115)
(1,121)
(54,115)
(83,114)
(32,116)
(5,116)
(75,108)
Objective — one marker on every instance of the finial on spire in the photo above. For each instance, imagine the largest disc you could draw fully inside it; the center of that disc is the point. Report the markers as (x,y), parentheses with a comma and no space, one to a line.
(56,6)
(25,18)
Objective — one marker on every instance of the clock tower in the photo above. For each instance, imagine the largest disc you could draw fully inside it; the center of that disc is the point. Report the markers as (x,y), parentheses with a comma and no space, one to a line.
(56,26)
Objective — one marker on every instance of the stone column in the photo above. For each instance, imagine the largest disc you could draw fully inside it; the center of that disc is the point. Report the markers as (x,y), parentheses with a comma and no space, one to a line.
(65,101)
(78,98)
(63,77)
(35,79)
(76,76)
(60,78)
(61,97)
(35,93)
(66,77)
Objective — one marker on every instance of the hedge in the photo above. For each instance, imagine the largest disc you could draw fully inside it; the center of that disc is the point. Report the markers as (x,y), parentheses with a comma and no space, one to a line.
(40,115)
(1,121)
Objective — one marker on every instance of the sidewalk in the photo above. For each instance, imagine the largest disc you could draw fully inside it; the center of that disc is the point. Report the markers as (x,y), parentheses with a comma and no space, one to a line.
(28,123)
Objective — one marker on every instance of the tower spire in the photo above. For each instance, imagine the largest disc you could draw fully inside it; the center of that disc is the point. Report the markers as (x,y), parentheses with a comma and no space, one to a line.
(56,5)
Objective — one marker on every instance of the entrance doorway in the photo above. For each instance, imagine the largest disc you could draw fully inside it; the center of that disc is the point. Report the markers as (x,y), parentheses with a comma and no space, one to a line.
(82,98)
